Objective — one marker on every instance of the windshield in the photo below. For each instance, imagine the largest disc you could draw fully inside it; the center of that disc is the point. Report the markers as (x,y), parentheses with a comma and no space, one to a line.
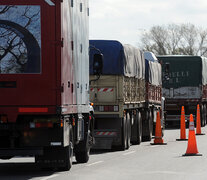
(20,39)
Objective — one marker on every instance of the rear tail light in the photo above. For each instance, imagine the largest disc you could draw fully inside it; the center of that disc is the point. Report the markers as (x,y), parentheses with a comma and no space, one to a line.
(107,108)
(73,121)
(61,123)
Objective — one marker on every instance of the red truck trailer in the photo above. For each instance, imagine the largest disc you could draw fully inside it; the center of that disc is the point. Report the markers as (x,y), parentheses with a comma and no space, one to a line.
(44,81)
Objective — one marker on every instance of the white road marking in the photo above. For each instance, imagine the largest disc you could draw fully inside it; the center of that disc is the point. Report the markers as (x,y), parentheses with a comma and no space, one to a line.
(98,162)
(131,152)
(49,177)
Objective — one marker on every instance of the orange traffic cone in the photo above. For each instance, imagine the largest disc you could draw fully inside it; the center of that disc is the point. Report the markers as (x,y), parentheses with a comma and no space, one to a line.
(198,122)
(182,126)
(158,132)
(192,145)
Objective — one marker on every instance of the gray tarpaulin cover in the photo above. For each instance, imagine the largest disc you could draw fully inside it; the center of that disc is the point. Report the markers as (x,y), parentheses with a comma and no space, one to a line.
(153,69)
(204,70)
(134,62)
(119,59)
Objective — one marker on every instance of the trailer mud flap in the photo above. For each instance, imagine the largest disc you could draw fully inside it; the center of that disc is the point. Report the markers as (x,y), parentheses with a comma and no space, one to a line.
(103,143)
(105,139)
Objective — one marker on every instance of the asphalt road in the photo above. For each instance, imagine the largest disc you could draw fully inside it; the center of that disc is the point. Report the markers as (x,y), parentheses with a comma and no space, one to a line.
(143,162)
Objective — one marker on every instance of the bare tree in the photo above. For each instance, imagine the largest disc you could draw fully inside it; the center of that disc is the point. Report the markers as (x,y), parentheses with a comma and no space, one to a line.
(202,46)
(184,39)
(13,52)
(5,9)
(173,39)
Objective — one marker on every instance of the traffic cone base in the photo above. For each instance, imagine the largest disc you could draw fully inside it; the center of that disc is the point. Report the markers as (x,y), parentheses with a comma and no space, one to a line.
(158,132)
(192,145)
(200,134)
(158,141)
(181,139)
(192,154)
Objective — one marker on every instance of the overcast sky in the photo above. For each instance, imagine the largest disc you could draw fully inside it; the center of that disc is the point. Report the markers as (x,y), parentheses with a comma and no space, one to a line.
(126,20)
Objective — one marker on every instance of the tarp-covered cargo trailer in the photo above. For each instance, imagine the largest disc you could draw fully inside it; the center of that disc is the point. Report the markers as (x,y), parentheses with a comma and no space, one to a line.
(118,94)
(39,80)
(153,76)
(186,86)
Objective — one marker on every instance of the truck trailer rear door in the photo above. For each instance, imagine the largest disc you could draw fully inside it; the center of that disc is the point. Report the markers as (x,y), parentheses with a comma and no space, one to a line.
(28,60)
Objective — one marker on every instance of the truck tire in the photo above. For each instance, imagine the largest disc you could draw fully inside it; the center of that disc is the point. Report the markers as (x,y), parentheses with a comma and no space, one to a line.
(154,118)
(124,134)
(147,125)
(203,115)
(128,130)
(59,157)
(82,149)
(83,156)
(137,129)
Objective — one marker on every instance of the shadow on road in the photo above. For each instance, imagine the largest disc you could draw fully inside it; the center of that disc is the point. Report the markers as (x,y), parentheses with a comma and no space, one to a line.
(172,127)
(102,151)
(22,171)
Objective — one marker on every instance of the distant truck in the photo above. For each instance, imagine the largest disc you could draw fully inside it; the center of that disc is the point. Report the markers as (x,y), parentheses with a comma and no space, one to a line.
(186,86)
(125,103)
(44,81)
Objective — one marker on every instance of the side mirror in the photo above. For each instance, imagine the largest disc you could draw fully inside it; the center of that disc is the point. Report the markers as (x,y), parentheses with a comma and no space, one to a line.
(97,64)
